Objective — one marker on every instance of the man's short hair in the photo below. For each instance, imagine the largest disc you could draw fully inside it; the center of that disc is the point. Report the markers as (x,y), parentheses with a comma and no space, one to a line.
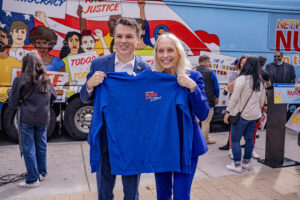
(203,58)
(279,52)
(131,22)
(18,25)
(8,36)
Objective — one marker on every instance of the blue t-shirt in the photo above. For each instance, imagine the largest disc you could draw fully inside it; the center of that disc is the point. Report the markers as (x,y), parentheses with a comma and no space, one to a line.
(55,65)
(142,124)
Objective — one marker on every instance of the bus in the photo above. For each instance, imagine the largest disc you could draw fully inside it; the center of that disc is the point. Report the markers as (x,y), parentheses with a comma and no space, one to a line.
(68,34)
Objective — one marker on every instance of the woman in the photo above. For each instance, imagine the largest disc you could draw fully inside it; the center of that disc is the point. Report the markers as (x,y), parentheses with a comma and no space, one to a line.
(247,86)
(72,46)
(44,39)
(35,115)
(170,58)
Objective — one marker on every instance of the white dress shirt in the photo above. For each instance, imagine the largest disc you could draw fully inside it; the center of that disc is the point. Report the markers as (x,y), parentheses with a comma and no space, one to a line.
(121,67)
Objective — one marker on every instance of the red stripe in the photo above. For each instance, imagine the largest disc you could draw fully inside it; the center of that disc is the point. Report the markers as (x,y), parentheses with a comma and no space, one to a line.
(182,32)
(208,38)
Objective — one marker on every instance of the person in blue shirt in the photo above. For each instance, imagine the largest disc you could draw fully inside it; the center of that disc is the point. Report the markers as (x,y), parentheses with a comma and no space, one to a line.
(126,36)
(212,91)
(170,58)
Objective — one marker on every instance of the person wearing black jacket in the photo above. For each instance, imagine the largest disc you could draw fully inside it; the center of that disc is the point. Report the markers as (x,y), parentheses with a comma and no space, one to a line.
(35,115)
(279,71)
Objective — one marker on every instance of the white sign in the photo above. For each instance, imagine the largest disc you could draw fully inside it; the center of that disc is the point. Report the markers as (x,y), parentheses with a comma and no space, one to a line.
(79,65)
(221,64)
(96,8)
(52,8)
(56,78)
(294,121)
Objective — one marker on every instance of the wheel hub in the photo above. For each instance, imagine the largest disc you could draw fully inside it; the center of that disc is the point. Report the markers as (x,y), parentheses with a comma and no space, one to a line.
(83,118)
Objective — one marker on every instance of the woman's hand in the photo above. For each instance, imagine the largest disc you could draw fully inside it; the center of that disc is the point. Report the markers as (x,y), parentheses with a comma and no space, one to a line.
(185,81)
(226,117)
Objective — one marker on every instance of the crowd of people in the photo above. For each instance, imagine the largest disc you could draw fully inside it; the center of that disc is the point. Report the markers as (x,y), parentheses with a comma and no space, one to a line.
(201,89)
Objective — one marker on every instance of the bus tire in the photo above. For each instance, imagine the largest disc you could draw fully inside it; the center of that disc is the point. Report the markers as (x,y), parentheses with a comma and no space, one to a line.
(10,124)
(78,118)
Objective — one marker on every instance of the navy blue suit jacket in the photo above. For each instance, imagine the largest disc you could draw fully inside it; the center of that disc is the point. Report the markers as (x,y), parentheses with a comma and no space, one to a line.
(107,64)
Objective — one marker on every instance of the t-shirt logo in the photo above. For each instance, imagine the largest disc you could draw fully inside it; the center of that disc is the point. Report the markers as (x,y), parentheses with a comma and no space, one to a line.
(152,96)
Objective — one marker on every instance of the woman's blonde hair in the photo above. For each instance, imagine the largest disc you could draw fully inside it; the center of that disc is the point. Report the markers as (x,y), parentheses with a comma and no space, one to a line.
(183,63)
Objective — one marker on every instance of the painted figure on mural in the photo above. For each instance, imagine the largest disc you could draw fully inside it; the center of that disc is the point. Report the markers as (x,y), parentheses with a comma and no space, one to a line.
(144,47)
(18,31)
(71,46)
(88,41)
(44,39)
(7,63)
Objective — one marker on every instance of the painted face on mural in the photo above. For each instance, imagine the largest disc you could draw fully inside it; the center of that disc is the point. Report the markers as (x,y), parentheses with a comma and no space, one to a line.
(73,43)
(167,54)
(42,46)
(3,41)
(88,43)
(278,58)
(126,40)
(18,36)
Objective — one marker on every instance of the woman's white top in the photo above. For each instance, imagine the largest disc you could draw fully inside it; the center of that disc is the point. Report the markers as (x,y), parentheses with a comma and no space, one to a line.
(241,92)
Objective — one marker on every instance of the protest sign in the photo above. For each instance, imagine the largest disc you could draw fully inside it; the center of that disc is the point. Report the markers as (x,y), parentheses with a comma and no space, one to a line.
(285,93)
(294,121)
(79,65)
(95,8)
(56,78)
(52,8)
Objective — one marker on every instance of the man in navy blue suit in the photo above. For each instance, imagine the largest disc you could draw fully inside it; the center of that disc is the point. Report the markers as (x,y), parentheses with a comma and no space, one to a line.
(126,36)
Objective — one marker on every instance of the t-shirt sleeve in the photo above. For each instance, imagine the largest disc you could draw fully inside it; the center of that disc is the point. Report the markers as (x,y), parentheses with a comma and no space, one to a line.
(100,102)
(187,130)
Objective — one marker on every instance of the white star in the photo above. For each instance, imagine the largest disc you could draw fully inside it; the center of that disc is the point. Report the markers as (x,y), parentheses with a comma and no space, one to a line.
(27,17)
(2,25)
(8,13)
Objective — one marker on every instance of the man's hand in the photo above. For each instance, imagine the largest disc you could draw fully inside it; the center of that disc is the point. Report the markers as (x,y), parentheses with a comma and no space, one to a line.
(79,11)
(96,79)
(141,3)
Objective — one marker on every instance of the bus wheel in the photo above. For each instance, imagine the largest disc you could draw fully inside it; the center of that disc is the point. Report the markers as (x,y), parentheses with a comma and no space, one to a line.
(78,119)
(10,124)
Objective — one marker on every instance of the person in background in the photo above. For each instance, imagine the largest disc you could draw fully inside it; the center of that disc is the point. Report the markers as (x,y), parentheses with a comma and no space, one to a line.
(212,92)
(279,71)
(35,116)
(170,58)
(264,75)
(239,63)
(248,92)
(126,36)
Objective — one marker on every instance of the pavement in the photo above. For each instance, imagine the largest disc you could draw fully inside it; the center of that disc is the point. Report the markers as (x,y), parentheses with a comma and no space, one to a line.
(70,178)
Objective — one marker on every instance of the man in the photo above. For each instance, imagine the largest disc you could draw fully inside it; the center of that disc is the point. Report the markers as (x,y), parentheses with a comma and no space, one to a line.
(212,92)
(126,36)
(7,63)
(279,71)
(19,31)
